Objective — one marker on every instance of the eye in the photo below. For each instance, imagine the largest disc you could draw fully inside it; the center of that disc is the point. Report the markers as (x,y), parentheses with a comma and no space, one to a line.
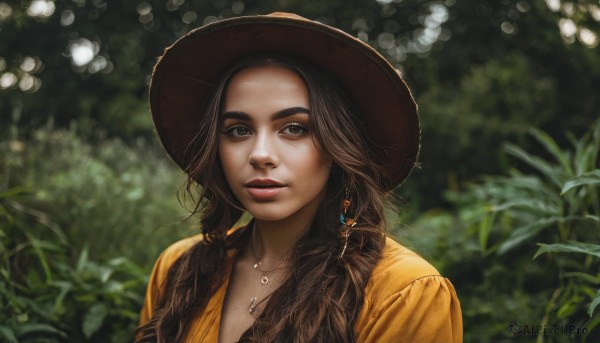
(294,129)
(238,131)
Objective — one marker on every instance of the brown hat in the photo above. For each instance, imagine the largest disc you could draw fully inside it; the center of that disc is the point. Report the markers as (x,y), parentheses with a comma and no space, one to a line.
(184,77)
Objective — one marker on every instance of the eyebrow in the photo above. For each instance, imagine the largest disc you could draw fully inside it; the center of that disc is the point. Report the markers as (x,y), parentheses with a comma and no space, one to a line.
(239,115)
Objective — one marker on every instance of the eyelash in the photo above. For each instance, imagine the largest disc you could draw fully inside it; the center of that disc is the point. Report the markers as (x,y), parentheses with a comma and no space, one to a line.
(232,130)
(303,128)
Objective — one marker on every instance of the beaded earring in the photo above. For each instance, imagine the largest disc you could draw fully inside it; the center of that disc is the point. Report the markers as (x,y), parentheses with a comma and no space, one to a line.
(347,224)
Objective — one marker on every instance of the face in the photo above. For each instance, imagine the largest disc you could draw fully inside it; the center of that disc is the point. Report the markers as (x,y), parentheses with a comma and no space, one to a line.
(266,149)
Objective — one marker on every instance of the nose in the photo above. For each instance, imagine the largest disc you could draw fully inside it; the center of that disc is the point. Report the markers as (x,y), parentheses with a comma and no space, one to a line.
(264,152)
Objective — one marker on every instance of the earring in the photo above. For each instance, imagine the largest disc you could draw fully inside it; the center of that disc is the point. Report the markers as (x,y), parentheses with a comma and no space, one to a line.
(346,229)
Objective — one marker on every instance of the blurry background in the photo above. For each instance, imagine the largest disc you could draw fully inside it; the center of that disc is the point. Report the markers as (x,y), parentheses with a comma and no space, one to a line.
(508,95)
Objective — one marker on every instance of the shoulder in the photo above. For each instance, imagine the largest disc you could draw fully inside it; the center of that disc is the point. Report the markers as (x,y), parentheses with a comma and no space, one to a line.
(407,300)
(172,254)
(399,266)
(160,271)
(399,270)
(175,250)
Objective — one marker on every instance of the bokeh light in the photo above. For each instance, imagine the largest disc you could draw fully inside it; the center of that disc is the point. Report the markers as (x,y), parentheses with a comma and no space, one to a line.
(173,5)
(41,8)
(567,27)
(5,11)
(189,17)
(98,64)
(523,6)
(82,51)
(8,80)
(144,9)
(508,28)
(210,19)
(27,82)
(588,37)
(568,8)
(553,5)
(28,64)
(595,12)
(67,17)
(432,22)
(237,7)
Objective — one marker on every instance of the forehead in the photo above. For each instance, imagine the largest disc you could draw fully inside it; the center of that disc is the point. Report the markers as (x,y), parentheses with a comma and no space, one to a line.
(272,85)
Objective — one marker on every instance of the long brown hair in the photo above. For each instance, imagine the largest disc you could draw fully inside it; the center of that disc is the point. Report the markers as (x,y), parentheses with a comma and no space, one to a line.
(321,299)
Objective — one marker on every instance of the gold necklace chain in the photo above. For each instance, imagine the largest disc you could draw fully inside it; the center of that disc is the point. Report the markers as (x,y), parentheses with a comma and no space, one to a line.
(264,280)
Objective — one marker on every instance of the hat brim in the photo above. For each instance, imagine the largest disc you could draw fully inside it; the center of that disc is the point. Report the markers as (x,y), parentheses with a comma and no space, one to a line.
(184,76)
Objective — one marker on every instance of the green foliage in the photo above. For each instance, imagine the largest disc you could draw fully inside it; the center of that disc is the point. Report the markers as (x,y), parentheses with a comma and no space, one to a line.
(556,204)
(79,273)
(45,298)
(523,247)
(107,195)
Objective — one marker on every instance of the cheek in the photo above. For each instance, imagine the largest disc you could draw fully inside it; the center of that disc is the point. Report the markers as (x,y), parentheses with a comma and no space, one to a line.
(227,156)
(314,167)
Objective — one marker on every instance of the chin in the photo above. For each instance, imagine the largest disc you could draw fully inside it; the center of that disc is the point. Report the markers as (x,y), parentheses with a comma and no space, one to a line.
(271,211)
(268,216)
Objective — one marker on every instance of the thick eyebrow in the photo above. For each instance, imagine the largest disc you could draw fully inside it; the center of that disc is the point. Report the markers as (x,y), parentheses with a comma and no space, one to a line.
(235,115)
(239,115)
(289,112)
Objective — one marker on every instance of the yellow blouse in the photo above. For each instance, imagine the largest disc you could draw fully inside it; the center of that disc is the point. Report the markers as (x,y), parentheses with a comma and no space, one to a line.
(406,300)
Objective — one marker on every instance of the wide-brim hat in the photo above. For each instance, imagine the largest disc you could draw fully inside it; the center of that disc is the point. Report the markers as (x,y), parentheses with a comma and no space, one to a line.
(184,77)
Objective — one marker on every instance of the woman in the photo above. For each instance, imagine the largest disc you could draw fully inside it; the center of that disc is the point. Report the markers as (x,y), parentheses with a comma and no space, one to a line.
(306,129)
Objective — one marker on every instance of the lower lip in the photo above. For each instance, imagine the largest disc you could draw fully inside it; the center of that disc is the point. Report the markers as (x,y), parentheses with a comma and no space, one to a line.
(264,192)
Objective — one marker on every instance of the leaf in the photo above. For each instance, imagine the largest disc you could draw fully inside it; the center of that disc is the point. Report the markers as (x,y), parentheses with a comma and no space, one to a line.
(104,273)
(64,288)
(529,204)
(541,165)
(8,334)
(570,246)
(567,309)
(38,246)
(585,277)
(592,217)
(484,230)
(13,192)
(524,233)
(590,178)
(553,148)
(39,328)
(594,303)
(587,159)
(93,319)
(83,260)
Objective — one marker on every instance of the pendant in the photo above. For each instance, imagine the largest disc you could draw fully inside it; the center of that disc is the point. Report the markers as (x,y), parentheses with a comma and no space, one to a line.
(264,280)
(252,305)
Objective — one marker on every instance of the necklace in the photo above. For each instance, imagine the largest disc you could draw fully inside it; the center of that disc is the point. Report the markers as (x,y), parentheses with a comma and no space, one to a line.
(264,279)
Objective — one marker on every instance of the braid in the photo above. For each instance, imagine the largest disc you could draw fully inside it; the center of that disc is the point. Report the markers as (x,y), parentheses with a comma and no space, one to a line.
(322,297)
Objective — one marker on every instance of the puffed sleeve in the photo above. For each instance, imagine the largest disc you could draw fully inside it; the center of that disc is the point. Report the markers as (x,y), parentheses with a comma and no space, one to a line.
(156,284)
(427,310)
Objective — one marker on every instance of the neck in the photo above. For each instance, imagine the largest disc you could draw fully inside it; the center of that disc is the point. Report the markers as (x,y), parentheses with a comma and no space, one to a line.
(273,241)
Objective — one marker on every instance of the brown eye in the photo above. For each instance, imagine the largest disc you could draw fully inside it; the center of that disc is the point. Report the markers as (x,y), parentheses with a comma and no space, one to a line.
(294,129)
(238,131)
